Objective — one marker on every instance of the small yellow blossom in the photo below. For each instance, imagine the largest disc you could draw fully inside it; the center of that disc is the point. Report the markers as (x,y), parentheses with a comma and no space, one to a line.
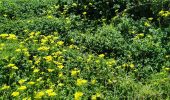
(48,58)
(49,16)
(50,70)
(147,24)
(39,79)
(74,72)
(81,82)
(5,87)
(21,81)
(31,83)
(3,35)
(60,43)
(50,92)
(60,74)
(43,48)
(36,70)
(94,97)
(132,65)
(78,95)
(22,88)
(150,18)
(84,13)
(27,98)
(101,55)
(12,37)
(90,3)
(39,94)
(60,84)
(167,69)
(12,66)
(18,50)
(60,66)
(14,94)
(93,81)
(74,4)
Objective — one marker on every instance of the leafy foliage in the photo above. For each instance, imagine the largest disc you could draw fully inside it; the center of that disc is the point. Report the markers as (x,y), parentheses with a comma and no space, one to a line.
(84,49)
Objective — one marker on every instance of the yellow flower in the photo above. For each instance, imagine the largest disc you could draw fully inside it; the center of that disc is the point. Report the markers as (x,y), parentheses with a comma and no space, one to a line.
(78,95)
(132,65)
(39,94)
(74,4)
(3,35)
(75,72)
(31,83)
(81,82)
(60,43)
(94,97)
(150,18)
(14,94)
(22,88)
(21,81)
(5,87)
(43,48)
(147,24)
(90,3)
(56,54)
(60,66)
(139,36)
(12,66)
(50,92)
(48,58)
(93,81)
(18,50)
(27,98)
(60,84)
(39,79)
(161,12)
(49,16)
(12,37)
(167,69)
(101,55)
(60,74)
(36,70)
(84,13)
(50,70)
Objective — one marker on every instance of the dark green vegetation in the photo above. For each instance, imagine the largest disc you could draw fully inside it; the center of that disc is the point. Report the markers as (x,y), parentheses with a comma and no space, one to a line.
(85,49)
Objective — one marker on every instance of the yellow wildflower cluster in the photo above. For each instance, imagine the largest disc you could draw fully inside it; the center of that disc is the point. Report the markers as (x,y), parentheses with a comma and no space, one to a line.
(22,88)
(5,87)
(78,95)
(50,92)
(43,48)
(14,94)
(13,66)
(8,36)
(74,72)
(81,82)
(94,97)
(164,13)
(48,58)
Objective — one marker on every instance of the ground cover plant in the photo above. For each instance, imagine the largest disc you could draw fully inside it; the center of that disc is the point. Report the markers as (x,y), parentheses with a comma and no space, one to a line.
(84,49)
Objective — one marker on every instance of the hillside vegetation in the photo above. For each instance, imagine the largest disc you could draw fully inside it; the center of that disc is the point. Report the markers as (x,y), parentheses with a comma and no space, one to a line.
(85,49)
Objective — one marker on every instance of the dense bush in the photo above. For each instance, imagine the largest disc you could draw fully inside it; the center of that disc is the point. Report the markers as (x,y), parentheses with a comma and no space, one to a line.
(84,49)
